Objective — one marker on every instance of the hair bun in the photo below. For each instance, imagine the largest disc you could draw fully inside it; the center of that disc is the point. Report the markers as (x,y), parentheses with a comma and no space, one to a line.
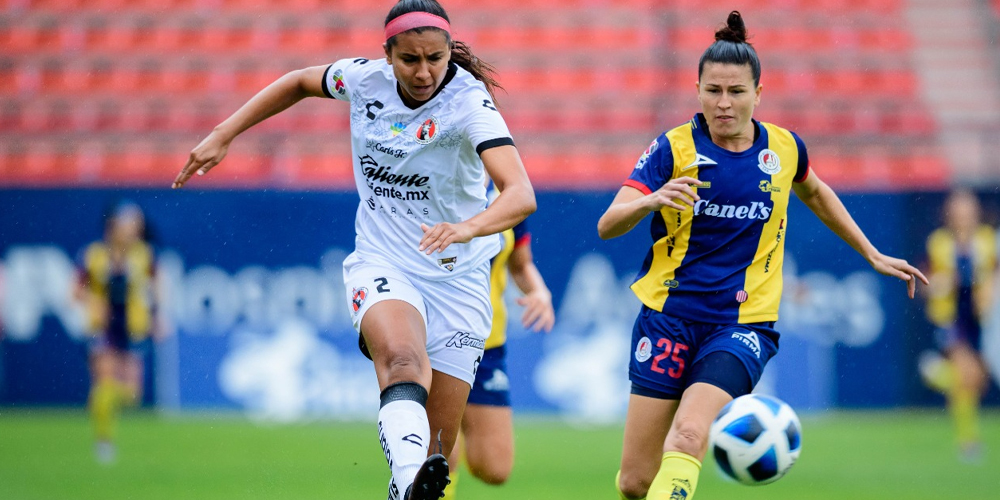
(734,31)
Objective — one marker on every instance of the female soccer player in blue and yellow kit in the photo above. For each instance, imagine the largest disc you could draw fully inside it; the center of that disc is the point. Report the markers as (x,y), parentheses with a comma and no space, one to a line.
(116,285)
(963,260)
(718,188)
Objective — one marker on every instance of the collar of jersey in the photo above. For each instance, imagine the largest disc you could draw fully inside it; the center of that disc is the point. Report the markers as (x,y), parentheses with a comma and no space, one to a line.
(702,125)
(452,70)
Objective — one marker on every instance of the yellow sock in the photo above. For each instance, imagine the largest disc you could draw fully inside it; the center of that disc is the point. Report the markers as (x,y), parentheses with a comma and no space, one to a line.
(964,408)
(103,407)
(677,478)
(618,488)
(126,395)
(449,491)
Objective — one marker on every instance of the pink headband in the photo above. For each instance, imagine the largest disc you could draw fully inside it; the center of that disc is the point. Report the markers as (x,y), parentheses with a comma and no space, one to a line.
(411,20)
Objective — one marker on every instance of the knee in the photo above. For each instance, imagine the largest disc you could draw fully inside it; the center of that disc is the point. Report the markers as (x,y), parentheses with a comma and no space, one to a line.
(633,485)
(688,438)
(403,364)
(493,472)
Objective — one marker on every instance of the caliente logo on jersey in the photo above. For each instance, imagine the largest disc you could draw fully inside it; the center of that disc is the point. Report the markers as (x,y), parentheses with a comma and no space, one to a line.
(427,131)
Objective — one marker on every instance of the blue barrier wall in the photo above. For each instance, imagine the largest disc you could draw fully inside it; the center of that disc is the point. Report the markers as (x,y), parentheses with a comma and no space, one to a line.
(258,319)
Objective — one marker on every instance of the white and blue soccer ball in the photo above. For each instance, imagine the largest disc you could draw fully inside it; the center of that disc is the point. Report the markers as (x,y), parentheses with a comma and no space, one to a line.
(756,439)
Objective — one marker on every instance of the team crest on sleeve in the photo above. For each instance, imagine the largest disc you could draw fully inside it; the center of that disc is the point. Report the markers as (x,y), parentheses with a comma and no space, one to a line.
(646,154)
(643,350)
(338,82)
(427,131)
(768,162)
(358,298)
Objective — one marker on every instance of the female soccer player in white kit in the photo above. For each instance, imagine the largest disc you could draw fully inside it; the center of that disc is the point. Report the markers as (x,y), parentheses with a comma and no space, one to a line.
(425,133)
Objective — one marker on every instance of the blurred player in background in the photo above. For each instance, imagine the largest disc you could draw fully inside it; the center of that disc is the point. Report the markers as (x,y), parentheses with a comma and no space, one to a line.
(486,439)
(718,188)
(962,260)
(424,135)
(116,286)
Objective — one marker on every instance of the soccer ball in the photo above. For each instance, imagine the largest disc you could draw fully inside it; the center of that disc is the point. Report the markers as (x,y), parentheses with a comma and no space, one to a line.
(756,439)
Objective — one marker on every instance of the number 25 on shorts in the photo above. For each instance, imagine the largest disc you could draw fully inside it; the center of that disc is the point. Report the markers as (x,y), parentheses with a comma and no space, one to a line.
(673,351)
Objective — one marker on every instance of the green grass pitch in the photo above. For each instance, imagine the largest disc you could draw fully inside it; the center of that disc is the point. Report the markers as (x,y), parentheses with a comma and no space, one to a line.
(47,455)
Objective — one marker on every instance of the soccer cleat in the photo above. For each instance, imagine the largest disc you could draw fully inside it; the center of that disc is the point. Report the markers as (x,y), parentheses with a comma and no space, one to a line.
(431,479)
(104,451)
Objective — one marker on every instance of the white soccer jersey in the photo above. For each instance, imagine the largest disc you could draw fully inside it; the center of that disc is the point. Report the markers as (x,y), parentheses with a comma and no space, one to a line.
(414,166)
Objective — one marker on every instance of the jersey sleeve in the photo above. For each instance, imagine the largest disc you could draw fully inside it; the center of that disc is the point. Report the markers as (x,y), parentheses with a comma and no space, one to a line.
(484,126)
(522,236)
(802,169)
(342,77)
(654,168)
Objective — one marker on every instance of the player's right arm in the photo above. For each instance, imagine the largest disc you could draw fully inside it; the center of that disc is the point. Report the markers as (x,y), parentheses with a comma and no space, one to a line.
(632,205)
(275,98)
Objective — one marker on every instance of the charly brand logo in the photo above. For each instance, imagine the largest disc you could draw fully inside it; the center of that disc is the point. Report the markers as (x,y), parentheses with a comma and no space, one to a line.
(756,210)
(465,339)
(373,105)
(427,131)
(768,162)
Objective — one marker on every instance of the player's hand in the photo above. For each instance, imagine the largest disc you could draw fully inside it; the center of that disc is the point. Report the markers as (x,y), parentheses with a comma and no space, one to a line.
(203,157)
(891,266)
(675,194)
(438,238)
(538,312)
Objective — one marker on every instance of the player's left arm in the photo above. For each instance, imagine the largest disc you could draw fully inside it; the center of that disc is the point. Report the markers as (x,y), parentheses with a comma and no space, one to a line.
(539,315)
(515,202)
(825,203)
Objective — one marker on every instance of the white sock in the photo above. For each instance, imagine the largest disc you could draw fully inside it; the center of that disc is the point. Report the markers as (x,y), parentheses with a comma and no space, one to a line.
(404,433)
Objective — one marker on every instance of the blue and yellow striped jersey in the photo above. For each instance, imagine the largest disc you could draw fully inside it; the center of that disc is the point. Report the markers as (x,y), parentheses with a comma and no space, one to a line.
(511,239)
(719,262)
(944,255)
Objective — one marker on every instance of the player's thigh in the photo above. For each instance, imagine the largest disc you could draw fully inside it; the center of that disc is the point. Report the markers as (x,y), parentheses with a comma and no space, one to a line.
(646,425)
(689,429)
(395,336)
(968,366)
(103,364)
(445,405)
(489,441)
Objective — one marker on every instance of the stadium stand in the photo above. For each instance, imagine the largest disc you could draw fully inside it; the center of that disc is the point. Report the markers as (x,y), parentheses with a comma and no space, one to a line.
(115,92)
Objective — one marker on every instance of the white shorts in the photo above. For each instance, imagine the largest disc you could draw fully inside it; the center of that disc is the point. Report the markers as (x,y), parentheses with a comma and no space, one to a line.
(457,313)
